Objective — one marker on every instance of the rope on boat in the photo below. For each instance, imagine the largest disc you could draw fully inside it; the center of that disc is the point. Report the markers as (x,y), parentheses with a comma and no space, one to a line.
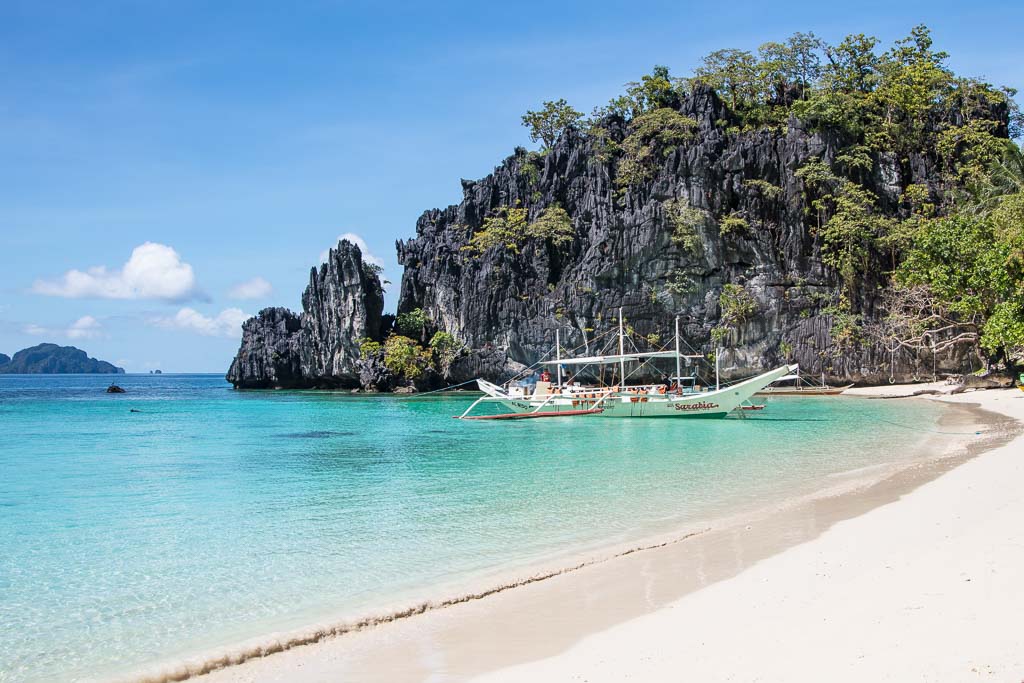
(521,373)
(931,431)
(531,368)
(435,391)
(649,362)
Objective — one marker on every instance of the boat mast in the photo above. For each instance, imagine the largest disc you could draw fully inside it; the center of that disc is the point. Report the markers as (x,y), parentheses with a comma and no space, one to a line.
(558,357)
(622,351)
(679,379)
(718,356)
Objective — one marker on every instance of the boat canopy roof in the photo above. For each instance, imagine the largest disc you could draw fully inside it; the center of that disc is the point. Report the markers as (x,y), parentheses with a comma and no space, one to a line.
(588,360)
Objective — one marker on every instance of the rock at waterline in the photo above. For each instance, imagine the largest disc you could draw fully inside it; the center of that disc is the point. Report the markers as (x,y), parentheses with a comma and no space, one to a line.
(318,348)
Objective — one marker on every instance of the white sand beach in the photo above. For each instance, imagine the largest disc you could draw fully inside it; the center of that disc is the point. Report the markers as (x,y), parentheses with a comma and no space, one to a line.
(918,577)
(925,588)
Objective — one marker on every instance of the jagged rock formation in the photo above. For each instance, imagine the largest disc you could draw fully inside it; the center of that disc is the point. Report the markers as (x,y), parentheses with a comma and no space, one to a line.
(56,360)
(271,352)
(505,304)
(342,305)
(319,348)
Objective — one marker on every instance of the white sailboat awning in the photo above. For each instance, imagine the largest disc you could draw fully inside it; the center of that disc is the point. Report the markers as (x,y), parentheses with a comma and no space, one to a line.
(588,360)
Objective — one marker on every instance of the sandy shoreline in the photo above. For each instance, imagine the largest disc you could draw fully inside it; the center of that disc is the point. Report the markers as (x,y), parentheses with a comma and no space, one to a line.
(601,622)
(924,588)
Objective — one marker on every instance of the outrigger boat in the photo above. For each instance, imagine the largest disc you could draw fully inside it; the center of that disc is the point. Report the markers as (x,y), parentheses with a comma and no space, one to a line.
(802,388)
(684,399)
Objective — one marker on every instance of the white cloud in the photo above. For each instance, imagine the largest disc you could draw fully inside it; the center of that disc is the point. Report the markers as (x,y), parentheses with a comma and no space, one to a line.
(153,271)
(254,288)
(227,323)
(86,327)
(359,242)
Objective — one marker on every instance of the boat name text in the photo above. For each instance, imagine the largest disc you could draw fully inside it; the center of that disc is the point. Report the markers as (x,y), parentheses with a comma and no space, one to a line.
(703,405)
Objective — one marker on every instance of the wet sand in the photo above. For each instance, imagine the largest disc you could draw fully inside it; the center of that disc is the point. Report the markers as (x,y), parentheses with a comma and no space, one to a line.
(669,610)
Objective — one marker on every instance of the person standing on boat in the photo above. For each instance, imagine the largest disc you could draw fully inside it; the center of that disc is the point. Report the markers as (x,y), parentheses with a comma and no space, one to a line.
(545,376)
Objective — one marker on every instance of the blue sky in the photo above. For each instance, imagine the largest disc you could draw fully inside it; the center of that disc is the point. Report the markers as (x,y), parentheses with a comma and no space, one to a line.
(228,144)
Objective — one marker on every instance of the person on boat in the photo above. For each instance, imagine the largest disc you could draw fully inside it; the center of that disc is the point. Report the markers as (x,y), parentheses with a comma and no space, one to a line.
(545,376)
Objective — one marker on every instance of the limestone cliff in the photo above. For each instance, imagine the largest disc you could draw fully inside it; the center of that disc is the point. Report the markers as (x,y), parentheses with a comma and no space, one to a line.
(271,352)
(505,304)
(342,304)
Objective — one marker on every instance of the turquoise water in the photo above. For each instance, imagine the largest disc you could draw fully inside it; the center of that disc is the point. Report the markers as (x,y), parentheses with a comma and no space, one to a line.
(214,516)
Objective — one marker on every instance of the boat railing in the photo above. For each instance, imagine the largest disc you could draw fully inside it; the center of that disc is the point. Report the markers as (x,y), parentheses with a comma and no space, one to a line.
(582,391)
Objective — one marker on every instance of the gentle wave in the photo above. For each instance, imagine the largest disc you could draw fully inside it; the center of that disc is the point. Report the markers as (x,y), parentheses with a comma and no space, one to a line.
(857,479)
(274,644)
(997,431)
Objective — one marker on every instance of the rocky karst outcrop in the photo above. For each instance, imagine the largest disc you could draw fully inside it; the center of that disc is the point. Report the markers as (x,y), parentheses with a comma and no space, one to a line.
(271,352)
(342,305)
(505,303)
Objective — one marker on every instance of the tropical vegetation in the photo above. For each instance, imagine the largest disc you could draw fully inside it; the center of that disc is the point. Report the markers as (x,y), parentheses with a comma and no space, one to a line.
(406,354)
(949,254)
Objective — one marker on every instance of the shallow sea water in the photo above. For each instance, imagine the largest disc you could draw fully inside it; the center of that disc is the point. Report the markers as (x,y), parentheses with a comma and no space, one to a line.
(213,516)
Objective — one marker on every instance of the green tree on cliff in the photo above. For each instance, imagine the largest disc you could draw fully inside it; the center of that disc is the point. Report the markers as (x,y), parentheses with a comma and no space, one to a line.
(734,73)
(551,121)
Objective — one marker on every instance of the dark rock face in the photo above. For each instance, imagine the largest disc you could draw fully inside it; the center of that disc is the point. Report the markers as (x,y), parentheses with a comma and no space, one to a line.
(319,348)
(54,359)
(270,353)
(504,306)
(342,305)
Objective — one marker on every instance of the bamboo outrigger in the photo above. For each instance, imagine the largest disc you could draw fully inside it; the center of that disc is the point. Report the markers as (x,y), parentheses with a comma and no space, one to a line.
(801,387)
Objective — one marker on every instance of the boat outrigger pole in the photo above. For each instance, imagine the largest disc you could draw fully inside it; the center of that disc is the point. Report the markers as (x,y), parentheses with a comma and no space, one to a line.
(622,351)
(679,381)
(558,357)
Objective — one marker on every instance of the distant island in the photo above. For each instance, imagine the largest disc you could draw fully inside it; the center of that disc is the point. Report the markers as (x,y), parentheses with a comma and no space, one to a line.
(51,359)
